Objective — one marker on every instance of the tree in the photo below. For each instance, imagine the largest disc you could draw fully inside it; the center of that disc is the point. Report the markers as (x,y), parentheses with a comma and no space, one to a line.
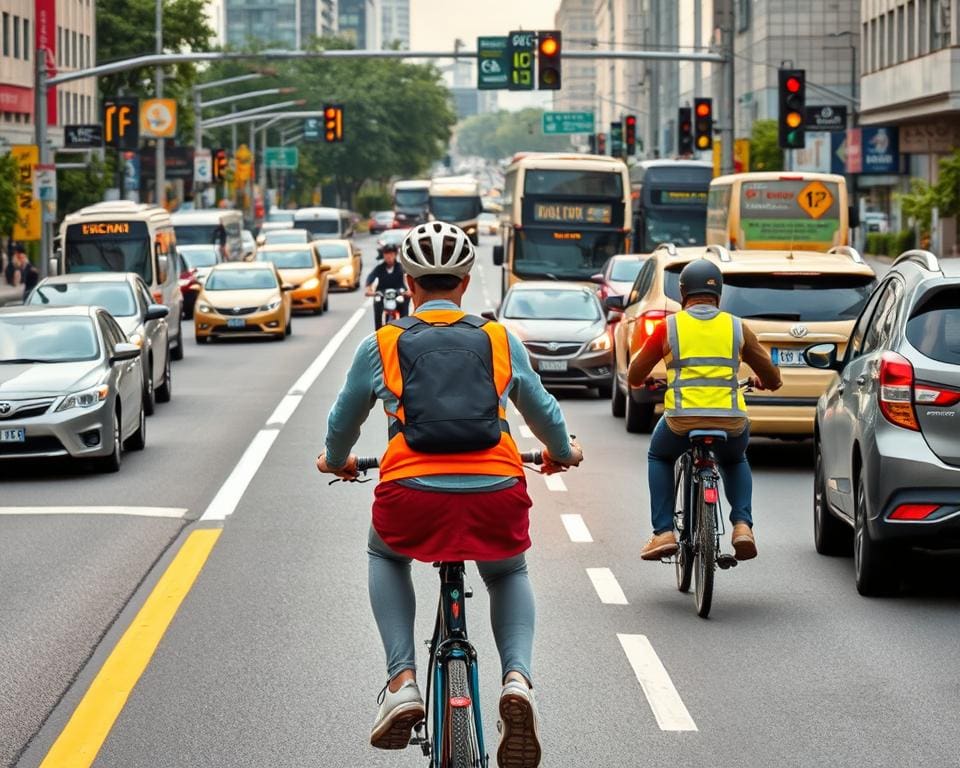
(765,152)
(500,135)
(79,188)
(944,196)
(8,194)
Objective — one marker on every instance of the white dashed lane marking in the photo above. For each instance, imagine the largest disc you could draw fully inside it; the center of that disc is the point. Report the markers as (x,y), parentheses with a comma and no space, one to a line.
(525,431)
(555,483)
(668,708)
(576,529)
(607,586)
(172,512)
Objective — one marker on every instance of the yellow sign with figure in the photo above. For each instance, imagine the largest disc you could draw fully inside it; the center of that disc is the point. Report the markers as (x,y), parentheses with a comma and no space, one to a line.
(158,118)
(27,225)
(815,199)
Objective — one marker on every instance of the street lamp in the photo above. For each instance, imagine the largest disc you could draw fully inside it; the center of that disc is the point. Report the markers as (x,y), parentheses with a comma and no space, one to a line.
(854,79)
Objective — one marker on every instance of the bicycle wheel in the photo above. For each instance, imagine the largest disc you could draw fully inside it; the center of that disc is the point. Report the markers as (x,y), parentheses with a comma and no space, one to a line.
(684,561)
(462,749)
(706,551)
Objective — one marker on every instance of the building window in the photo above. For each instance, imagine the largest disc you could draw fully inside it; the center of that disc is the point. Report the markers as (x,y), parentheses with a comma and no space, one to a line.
(59,46)
(743,15)
(923,25)
(6,33)
(941,24)
(16,37)
(901,32)
(911,29)
(26,39)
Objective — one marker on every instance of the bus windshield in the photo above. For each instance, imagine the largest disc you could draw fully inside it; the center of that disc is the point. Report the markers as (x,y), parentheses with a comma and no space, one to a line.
(564,255)
(200,234)
(411,198)
(92,248)
(455,208)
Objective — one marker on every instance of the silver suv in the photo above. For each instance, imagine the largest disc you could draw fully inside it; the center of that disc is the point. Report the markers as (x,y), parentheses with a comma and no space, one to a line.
(888,428)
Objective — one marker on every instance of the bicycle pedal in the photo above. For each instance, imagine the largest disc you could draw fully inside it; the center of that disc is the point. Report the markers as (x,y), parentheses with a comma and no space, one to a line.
(725,561)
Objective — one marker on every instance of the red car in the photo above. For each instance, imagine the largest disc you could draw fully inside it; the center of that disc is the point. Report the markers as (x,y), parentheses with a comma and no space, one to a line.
(618,275)
(380,221)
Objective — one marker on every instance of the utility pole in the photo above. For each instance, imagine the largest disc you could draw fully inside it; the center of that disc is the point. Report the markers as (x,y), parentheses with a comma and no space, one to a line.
(724,23)
(161,159)
(40,134)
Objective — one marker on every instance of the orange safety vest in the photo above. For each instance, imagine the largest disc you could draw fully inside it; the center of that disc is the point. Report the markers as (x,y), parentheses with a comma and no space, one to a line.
(400,461)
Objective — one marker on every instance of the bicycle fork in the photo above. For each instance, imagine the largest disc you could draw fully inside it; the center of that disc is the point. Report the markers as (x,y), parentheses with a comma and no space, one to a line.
(708,479)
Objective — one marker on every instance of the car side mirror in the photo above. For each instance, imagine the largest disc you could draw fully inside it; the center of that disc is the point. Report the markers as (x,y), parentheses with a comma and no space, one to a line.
(489,314)
(822,356)
(324,267)
(498,255)
(157,312)
(286,287)
(124,351)
(53,266)
(598,279)
(614,317)
(614,303)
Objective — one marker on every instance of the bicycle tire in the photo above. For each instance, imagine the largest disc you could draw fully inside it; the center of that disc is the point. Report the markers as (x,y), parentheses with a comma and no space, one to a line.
(684,561)
(462,738)
(706,552)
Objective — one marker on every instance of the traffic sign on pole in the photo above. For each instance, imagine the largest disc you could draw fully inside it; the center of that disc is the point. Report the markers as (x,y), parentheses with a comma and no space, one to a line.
(493,63)
(281,158)
(567,122)
(522,62)
(202,166)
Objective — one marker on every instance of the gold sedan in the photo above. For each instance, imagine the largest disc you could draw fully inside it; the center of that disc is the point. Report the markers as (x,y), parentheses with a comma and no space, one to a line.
(243,299)
(300,266)
(344,260)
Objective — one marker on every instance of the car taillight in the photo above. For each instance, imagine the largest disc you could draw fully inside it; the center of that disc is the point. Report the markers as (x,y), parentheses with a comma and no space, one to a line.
(896,391)
(650,321)
(913,511)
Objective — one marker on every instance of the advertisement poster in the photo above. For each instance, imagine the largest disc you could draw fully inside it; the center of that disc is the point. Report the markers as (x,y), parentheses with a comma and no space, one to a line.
(27,226)
(46,40)
(788,214)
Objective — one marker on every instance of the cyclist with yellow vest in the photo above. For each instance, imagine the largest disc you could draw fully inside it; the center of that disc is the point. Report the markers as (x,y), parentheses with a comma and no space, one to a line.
(703,348)
(451,481)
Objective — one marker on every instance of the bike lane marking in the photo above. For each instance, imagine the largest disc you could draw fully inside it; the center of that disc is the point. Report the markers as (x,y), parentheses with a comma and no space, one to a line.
(169,512)
(576,529)
(667,706)
(607,587)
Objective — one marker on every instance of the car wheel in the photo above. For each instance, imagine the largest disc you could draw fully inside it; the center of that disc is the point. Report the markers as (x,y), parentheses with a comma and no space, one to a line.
(326,303)
(639,416)
(138,440)
(112,462)
(289,327)
(618,400)
(165,390)
(177,351)
(605,391)
(830,535)
(874,562)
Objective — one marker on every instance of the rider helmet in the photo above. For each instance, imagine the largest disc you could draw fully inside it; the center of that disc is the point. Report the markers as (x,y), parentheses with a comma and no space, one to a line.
(701,278)
(437,248)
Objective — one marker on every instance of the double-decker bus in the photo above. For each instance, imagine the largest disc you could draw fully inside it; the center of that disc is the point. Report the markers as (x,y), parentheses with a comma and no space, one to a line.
(669,203)
(563,216)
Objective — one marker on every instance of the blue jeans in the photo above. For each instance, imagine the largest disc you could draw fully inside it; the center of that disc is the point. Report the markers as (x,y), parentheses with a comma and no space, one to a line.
(394,603)
(666,447)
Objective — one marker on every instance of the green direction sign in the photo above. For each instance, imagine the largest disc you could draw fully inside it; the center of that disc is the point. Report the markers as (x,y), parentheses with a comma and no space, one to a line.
(522,52)
(312,129)
(282,158)
(493,63)
(567,122)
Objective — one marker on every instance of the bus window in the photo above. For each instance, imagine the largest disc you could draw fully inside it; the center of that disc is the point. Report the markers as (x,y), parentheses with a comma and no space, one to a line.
(573,182)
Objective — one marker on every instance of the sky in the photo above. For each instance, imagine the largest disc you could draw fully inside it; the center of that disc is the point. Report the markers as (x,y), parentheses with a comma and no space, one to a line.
(435,24)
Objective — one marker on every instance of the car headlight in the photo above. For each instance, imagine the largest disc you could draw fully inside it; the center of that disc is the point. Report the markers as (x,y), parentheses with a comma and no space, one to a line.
(86,399)
(599,344)
(204,307)
(346,269)
(310,284)
(271,306)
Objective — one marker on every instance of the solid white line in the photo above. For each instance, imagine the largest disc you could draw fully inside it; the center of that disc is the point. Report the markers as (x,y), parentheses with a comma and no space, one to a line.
(516,411)
(607,586)
(236,484)
(525,431)
(310,375)
(282,413)
(172,512)
(667,706)
(555,483)
(576,529)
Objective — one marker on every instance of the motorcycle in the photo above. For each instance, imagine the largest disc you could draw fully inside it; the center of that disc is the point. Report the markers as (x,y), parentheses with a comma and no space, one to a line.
(390,301)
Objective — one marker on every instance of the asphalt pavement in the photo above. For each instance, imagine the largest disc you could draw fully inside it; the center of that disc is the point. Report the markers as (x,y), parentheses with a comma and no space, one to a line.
(272,657)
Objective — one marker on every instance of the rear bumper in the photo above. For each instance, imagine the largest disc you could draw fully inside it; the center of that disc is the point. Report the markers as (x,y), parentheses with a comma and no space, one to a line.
(307,300)
(255,324)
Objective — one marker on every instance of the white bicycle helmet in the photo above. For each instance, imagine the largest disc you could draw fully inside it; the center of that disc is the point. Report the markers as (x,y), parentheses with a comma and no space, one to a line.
(437,248)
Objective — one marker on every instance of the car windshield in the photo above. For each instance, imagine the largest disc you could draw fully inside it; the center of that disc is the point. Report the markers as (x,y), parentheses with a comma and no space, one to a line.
(625,270)
(288,259)
(394,236)
(320,226)
(285,237)
(934,328)
(796,297)
(383,215)
(47,339)
(115,297)
(548,304)
(564,254)
(681,228)
(550,182)
(334,251)
(280,216)
(240,280)
(194,258)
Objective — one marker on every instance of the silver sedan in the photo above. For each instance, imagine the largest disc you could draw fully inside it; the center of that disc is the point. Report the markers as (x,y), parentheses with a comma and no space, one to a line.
(70,385)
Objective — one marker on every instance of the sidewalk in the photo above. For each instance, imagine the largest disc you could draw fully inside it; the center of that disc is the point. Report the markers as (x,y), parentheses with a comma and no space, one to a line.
(9,293)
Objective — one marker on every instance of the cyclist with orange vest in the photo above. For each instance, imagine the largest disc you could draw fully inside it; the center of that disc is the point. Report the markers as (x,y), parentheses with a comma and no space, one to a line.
(451,485)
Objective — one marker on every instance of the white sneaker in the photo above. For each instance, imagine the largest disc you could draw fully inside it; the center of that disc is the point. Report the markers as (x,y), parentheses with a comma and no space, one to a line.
(519,727)
(399,712)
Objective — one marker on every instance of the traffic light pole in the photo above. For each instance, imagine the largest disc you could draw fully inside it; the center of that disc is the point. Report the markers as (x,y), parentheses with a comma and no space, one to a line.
(727,101)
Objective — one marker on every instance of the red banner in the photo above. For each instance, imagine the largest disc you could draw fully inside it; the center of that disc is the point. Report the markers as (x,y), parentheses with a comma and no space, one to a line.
(46,40)
(14,98)
(854,150)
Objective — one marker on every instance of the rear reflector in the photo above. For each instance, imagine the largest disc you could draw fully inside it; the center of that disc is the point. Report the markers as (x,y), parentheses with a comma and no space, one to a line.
(459,702)
(913,511)
(710,495)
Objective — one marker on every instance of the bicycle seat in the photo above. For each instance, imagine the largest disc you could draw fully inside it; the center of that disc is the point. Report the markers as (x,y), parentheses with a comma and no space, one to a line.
(707,435)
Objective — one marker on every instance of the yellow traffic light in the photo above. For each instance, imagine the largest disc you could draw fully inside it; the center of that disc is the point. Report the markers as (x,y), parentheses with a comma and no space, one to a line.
(794,119)
(333,122)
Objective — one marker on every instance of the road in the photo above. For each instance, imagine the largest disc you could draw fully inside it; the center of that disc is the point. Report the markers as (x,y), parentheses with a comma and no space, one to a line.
(272,657)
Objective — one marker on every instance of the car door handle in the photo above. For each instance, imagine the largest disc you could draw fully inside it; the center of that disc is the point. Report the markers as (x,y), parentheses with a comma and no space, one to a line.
(861,380)
(841,389)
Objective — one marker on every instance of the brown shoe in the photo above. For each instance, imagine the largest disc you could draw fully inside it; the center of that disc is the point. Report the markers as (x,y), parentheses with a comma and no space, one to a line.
(661,545)
(744,545)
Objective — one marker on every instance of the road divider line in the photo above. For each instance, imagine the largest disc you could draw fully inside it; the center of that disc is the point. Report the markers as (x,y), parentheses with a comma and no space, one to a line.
(668,708)
(555,483)
(576,529)
(516,411)
(170,512)
(607,587)
(282,413)
(525,431)
(90,724)
(233,488)
(313,372)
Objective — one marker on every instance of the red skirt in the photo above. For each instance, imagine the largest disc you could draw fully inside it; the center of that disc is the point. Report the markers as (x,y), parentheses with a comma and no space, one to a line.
(431,525)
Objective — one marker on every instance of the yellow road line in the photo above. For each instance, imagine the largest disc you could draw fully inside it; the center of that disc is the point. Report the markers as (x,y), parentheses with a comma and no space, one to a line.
(83,736)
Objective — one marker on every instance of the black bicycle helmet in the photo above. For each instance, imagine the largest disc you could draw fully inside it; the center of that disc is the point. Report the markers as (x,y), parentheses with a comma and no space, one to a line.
(701,278)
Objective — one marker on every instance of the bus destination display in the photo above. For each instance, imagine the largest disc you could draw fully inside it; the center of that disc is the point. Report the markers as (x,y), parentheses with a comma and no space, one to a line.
(572,213)
(679,197)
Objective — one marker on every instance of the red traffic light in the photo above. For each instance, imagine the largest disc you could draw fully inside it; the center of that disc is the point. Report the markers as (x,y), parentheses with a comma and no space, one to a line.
(793,84)
(703,109)
(631,121)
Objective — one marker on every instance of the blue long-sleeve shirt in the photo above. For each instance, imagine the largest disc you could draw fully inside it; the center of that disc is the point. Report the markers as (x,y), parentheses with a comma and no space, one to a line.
(365,386)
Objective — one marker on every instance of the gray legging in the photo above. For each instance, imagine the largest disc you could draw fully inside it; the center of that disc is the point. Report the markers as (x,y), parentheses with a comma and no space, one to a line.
(394,604)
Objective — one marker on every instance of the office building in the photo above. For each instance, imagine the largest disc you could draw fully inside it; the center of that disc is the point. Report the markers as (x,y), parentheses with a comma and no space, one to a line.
(577,24)
(360,22)
(396,23)
(281,23)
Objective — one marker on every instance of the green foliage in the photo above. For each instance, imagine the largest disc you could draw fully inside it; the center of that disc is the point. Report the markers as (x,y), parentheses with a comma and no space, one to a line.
(373,200)
(765,153)
(495,136)
(890,244)
(8,194)
(77,188)
(918,204)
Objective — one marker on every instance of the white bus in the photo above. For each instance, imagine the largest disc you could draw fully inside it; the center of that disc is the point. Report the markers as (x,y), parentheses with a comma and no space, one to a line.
(123,236)
(411,202)
(222,227)
(324,223)
(456,200)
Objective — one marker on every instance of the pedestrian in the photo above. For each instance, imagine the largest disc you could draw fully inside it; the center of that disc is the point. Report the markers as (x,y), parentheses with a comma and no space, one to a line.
(25,273)
(9,271)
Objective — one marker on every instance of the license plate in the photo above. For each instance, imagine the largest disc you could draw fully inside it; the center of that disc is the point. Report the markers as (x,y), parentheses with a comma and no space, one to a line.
(553,365)
(787,358)
(236,322)
(13,435)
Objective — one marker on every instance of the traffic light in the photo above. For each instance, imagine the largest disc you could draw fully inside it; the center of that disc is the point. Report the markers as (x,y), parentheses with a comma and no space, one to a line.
(684,131)
(121,123)
(592,138)
(630,133)
(792,90)
(703,124)
(548,60)
(601,143)
(332,122)
(219,169)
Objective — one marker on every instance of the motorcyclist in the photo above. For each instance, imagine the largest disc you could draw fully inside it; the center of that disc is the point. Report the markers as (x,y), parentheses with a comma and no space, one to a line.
(386,275)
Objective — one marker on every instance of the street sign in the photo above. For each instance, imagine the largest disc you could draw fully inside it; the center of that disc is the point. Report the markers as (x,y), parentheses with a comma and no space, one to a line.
(815,199)
(493,63)
(27,224)
(522,61)
(281,158)
(312,129)
(826,118)
(45,182)
(741,156)
(202,166)
(568,122)
(158,118)
(83,136)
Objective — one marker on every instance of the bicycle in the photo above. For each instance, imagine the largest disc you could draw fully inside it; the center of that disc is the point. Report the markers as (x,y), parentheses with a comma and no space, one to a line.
(453,683)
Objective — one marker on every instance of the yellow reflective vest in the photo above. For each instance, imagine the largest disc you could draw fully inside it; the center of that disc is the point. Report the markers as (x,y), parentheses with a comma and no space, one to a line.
(705,346)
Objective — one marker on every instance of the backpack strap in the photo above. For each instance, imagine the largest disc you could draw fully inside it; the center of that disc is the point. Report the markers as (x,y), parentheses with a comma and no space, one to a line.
(406,323)
(473,321)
